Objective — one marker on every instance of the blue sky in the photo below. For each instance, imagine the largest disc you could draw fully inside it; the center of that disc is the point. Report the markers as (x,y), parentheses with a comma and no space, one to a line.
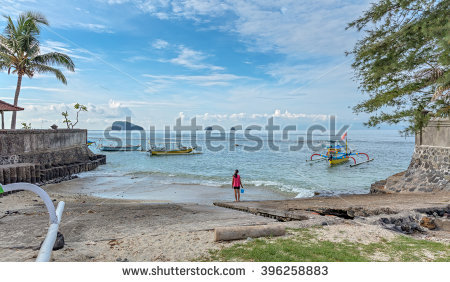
(224,62)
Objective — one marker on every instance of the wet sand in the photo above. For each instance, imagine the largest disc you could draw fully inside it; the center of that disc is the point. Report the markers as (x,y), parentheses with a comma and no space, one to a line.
(144,188)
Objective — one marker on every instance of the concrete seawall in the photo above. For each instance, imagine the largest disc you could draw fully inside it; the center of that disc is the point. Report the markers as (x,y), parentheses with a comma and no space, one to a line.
(43,156)
(429,169)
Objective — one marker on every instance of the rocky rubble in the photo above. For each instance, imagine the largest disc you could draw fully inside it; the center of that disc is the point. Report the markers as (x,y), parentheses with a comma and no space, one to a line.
(418,221)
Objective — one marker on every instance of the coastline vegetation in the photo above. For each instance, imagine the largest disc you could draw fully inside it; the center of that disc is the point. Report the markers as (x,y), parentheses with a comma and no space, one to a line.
(303,245)
(79,108)
(403,62)
(20,52)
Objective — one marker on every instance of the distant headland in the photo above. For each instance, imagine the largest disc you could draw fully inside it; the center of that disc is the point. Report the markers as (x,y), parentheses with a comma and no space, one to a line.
(125,125)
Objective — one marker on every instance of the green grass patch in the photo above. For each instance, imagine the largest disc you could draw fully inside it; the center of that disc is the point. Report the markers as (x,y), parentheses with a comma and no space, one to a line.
(303,245)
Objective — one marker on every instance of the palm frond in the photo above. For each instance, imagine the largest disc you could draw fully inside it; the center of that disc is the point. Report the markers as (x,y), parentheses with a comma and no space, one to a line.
(40,68)
(55,58)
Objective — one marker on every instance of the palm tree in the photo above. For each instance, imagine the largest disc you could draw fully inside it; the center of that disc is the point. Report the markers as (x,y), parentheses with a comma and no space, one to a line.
(20,52)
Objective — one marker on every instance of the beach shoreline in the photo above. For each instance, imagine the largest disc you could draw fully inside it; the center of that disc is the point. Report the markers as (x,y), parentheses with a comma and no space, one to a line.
(107,229)
(130,187)
(120,229)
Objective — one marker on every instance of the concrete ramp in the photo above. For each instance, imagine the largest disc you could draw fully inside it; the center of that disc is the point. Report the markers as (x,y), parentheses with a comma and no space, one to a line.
(347,206)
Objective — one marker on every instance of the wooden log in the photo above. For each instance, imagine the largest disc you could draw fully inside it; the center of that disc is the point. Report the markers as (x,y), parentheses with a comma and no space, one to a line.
(242,232)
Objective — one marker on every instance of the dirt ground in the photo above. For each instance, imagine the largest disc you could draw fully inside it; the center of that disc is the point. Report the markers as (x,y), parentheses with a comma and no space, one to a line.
(97,229)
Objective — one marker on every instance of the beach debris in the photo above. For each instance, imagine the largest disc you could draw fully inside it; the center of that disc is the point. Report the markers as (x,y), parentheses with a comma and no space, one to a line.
(59,242)
(428,222)
(122,260)
(90,211)
(242,232)
(91,243)
(113,242)
(406,224)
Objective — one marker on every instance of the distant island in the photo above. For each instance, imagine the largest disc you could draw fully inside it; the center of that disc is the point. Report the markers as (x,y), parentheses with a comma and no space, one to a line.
(125,125)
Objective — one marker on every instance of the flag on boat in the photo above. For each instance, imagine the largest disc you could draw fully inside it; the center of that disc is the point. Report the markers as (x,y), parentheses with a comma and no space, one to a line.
(344,136)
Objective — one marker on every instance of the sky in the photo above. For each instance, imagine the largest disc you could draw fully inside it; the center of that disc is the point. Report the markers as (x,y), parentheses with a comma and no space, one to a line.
(224,62)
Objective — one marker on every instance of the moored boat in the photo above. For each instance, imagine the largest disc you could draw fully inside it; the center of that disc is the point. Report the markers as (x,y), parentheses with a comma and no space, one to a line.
(119,148)
(172,150)
(337,154)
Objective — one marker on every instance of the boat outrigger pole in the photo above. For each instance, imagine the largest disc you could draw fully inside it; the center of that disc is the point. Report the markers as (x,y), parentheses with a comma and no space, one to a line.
(366,161)
(335,155)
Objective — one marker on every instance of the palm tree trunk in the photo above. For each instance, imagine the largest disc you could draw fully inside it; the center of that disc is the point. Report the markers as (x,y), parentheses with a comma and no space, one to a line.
(16,100)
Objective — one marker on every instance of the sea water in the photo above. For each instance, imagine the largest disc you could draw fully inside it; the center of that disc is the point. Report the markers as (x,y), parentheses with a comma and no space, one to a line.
(282,170)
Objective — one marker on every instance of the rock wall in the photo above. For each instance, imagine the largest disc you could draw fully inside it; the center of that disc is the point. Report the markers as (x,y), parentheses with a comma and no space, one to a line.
(43,156)
(429,169)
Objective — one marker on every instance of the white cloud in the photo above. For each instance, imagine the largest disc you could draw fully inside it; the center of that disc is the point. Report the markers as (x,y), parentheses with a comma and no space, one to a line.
(56,46)
(134,59)
(98,28)
(111,110)
(276,114)
(289,27)
(45,89)
(201,80)
(160,44)
(191,59)
(307,73)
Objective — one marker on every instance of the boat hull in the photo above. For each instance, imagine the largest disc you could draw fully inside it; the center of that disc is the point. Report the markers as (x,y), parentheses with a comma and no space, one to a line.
(171,152)
(338,161)
(117,149)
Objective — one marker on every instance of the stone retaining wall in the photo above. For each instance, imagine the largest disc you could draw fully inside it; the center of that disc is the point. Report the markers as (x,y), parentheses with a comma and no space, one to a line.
(429,169)
(43,156)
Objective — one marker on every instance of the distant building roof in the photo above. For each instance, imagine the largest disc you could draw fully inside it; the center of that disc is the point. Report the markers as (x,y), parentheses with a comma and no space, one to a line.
(8,107)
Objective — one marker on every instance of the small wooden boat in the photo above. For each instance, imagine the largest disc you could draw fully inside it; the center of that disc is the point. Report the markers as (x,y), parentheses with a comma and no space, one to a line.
(119,148)
(335,154)
(173,150)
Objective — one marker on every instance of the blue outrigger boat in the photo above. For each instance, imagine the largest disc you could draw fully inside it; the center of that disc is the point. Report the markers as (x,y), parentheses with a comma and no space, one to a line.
(337,154)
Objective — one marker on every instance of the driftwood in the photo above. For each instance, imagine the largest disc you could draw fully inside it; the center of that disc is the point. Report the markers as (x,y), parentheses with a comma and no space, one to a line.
(242,232)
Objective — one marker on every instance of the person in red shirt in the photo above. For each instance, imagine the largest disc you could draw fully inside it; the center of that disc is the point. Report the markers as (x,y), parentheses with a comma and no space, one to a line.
(237,184)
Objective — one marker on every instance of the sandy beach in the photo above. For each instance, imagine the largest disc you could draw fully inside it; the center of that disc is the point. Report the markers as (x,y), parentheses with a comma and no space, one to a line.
(170,227)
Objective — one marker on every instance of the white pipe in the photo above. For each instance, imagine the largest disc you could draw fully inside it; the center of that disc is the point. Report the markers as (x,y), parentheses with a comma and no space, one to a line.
(39,191)
(55,216)
(47,246)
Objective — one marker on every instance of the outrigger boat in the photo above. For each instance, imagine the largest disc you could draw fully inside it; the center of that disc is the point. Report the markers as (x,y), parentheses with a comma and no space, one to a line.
(335,154)
(177,150)
(119,148)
